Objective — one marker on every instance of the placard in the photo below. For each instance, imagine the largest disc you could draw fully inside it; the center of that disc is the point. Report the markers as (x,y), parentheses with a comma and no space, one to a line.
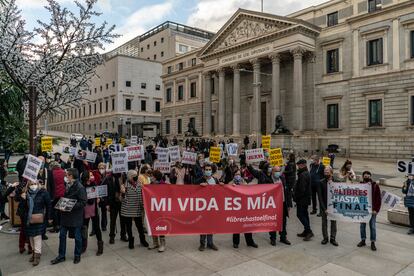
(65,204)
(326,161)
(164,167)
(32,168)
(189,158)
(276,157)
(119,162)
(72,151)
(97,141)
(254,155)
(97,191)
(405,166)
(162,154)
(174,153)
(388,199)
(91,156)
(266,141)
(135,153)
(134,140)
(108,142)
(232,149)
(80,155)
(47,144)
(215,153)
(115,148)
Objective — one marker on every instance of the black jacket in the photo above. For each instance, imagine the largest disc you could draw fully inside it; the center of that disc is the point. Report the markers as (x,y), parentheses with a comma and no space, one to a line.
(323,194)
(262,178)
(74,218)
(302,189)
(114,191)
(290,173)
(287,192)
(317,173)
(20,166)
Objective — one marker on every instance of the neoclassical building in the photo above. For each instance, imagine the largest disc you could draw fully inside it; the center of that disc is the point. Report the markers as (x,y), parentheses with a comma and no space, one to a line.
(339,73)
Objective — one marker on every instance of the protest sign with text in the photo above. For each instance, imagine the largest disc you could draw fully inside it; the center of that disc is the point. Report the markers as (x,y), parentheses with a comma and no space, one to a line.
(266,141)
(91,156)
(388,199)
(405,166)
(349,202)
(326,161)
(134,140)
(191,209)
(215,154)
(33,166)
(276,157)
(254,155)
(135,153)
(119,162)
(174,153)
(232,149)
(164,167)
(162,154)
(97,142)
(189,158)
(47,144)
(97,191)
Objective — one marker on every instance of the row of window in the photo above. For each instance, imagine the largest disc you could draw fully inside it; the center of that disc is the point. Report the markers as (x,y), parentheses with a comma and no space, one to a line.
(154,43)
(82,112)
(143,85)
(179,125)
(128,105)
(180,92)
(100,88)
(180,66)
(81,128)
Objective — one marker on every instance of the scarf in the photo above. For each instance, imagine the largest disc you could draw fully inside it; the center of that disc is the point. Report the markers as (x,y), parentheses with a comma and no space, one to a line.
(31,195)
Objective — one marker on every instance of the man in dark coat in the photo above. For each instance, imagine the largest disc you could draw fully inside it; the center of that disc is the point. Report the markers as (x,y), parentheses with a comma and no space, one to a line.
(290,171)
(72,220)
(316,170)
(302,197)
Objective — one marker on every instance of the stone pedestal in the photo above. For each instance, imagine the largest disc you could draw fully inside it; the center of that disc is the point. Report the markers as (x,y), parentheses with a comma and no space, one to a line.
(398,215)
(282,141)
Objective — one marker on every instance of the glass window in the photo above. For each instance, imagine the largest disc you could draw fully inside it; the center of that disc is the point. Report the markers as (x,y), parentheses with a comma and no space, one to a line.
(168,96)
(167,127)
(412,43)
(333,121)
(106,125)
(180,66)
(332,61)
(157,106)
(113,104)
(157,87)
(113,125)
(142,49)
(155,43)
(332,19)
(90,109)
(106,106)
(94,108)
(412,111)
(192,121)
(193,62)
(374,52)
(212,85)
(182,48)
(374,5)
(100,88)
(169,70)
(193,90)
(162,53)
(100,107)
(179,126)
(162,40)
(180,92)
(143,105)
(148,46)
(155,57)
(95,90)
(107,86)
(143,85)
(113,83)
(127,104)
(128,83)
(375,113)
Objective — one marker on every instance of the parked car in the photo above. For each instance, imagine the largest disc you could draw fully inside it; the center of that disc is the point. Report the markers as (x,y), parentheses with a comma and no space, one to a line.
(77,136)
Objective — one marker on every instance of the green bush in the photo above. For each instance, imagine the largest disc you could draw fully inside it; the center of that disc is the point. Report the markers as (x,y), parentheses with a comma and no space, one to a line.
(20,145)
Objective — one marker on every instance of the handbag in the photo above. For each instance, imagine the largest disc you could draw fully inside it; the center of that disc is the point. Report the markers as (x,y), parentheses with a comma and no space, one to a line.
(37,218)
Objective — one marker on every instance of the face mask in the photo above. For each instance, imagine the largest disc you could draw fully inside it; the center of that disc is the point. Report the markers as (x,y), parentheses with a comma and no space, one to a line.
(92,179)
(102,171)
(34,187)
(269,170)
(266,154)
(231,162)
(135,178)
(277,174)
(66,179)
(207,173)
(367,179)
(237,178)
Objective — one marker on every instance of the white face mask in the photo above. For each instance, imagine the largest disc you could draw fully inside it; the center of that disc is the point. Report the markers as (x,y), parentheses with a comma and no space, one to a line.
(102,171)
(34,187)
(66,179)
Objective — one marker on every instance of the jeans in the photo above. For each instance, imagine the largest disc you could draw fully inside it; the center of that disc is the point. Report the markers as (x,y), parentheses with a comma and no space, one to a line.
(62,241)
(372,229)
(209,240)
(325,227)
(303,216)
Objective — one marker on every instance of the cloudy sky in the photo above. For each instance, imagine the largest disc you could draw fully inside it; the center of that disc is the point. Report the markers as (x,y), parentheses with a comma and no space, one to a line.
(134,17)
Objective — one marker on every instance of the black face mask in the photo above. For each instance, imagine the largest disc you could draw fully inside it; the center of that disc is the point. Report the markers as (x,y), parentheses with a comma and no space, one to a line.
(135,178)
(367,179)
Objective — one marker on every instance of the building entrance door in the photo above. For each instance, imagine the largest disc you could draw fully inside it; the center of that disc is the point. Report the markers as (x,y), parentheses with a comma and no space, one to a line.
(263,114)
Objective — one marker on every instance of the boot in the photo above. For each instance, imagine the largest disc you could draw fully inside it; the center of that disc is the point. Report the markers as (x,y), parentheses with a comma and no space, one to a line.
(131,243)
(100,248)
(36,260)
(32,258)
(162,244)
(155,243)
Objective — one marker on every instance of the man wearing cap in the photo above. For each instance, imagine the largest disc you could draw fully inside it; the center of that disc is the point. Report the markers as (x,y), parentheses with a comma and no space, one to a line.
(302,197)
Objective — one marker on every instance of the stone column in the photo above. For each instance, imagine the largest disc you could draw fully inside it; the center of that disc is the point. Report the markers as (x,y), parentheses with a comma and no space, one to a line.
(276,105)
(236,100)
(298,88)
(256,97)
(221,103)
(207,104)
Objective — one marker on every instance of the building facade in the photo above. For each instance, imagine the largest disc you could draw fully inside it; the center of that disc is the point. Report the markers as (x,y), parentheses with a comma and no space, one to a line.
(338,73)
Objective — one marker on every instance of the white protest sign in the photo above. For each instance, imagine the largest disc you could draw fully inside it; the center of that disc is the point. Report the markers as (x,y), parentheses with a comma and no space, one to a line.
(65,204)
(389,199)
(189,158)
(97,191)
(134,140)
(174,153)
(72,151)
(115,148)
(405,166)
(80,155)
(164,167)
(91,156)
(32,168)
(135,153)
(254,155)
(232,149)
(162,154)
(119,162)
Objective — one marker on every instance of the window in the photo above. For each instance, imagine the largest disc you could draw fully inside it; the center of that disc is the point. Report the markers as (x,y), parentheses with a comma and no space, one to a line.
(90,109)
(155,43)
(180,92)
(192,121)
(148,46)
(84,111)
(375,112)
(100,88)
(332,19)
(95,90)
(168,96)
(212,85)
(143,85)
(143,105)
(142,49)
(94,108)
(374,5)
(167,126)
(193,89)
(107,86)
(374,52)
(100,125)
(94,126)
(332,118)
(412,43)
(127,104)
(332,61)
(182,48)
(179,126)
(155,57)
(412,111)
(157,87)
(162,54)
(128,83)
(113,104)
(113,125)
(169,70)
(193,62)
(106,106)
(157,106)
(90,91)
(162,40)
(106,125)
(180,66)
(113,83)
(100,107)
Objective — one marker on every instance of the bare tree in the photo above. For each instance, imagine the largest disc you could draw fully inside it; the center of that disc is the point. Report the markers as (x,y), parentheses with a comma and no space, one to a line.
(52,64)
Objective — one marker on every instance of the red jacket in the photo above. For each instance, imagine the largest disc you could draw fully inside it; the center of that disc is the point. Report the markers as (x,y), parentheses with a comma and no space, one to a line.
(59,183)
(376,197)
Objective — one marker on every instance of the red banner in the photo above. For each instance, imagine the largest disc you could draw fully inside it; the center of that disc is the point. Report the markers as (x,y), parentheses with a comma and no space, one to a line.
(215,209)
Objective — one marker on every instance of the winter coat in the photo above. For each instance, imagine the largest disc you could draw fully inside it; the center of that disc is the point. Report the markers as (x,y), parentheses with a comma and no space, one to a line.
(74,218)
(302,190)
(41,204)
(56,185)
(290,173)
(262,178)
(408,190)
(376,196)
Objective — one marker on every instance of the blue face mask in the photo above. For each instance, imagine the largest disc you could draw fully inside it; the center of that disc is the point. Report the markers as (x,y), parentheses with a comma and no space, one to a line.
(277,174)
(208,173)
(237,178)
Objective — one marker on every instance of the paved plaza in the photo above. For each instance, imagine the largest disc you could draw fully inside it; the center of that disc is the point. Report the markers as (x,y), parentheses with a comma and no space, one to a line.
(395,254)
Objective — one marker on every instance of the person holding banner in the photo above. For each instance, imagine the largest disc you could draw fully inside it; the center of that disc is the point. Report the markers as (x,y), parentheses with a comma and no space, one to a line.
(323,205)
(408,190)
(158,242)
(207,179)
(376,206)
(132,207)
(302,197)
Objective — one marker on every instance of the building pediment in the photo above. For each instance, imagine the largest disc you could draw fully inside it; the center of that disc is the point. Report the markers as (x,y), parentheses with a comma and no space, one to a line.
(247,27)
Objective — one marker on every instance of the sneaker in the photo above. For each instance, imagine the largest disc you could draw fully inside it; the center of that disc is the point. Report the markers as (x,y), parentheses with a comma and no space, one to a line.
(57,260)
(309,236)
(201,247)
(213,247)
(373,247)
(361,243)
(333,242)
(324,241)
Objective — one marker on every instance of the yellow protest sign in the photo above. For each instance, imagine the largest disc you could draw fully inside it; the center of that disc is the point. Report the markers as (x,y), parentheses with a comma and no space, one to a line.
(123,141)
(47,144)
(326,161)
(266,141)
(215,153)
(108,141)
(276,157)
(97,142)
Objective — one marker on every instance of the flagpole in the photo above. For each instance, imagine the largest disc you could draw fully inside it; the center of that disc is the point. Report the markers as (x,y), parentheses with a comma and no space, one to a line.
(262,5)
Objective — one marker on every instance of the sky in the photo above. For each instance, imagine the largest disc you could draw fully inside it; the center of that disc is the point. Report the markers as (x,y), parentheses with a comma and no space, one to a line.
(135,17)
